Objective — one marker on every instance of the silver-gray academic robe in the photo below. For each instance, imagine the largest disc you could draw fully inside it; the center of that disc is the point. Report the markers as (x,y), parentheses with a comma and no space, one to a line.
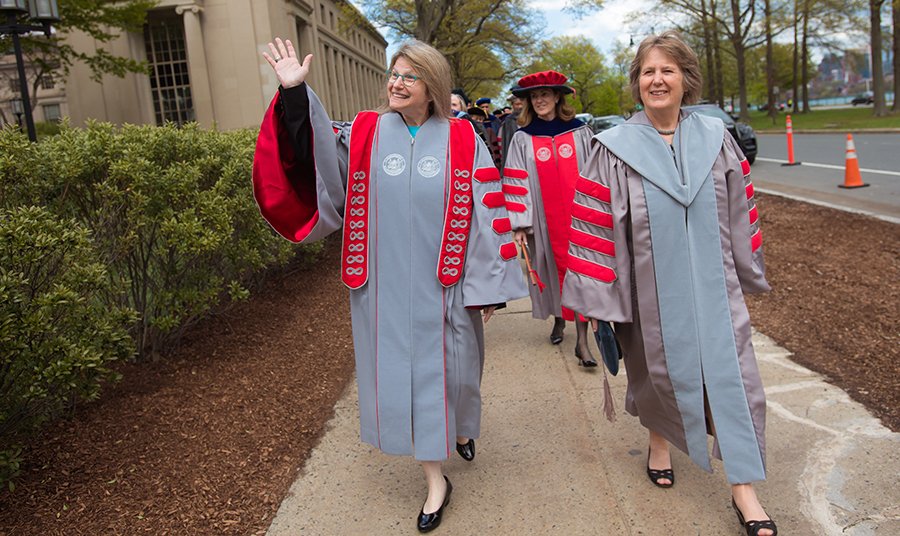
(539,182)
(665,244)
(419,346)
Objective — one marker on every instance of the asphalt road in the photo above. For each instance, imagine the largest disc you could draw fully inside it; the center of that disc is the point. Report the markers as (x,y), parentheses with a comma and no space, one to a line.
(823,157)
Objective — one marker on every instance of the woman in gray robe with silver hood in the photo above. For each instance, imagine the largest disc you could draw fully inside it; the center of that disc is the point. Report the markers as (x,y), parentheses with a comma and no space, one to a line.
(665,241)
(427,244)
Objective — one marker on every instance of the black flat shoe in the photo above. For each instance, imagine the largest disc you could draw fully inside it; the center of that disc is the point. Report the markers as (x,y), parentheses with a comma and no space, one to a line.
(466,450)
(429,522)
(753,526)
(658,474)
(556,336)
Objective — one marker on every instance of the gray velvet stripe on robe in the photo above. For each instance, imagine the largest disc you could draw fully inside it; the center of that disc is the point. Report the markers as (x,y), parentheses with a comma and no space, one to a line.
(419,346)
(683,228)
(533,219)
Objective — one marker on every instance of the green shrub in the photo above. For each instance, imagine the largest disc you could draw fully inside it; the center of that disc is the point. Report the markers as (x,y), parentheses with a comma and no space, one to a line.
(45,129)
(57,334)
(170,210)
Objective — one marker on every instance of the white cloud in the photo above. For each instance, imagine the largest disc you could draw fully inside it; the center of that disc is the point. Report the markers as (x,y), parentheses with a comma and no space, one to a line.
(604,27)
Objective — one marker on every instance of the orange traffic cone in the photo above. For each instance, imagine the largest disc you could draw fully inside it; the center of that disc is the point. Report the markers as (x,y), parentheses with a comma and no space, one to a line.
(852,178)
(789,131)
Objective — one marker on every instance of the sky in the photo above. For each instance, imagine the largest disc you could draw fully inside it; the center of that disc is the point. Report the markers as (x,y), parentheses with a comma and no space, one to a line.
(604,27)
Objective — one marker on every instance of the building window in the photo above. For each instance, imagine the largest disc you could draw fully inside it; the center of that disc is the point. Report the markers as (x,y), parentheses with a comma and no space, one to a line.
(170,83)
(47,81)
(14,85)
(51,112)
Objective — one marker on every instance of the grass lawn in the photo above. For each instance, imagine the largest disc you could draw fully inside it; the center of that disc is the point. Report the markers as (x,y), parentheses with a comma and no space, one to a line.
(841,119)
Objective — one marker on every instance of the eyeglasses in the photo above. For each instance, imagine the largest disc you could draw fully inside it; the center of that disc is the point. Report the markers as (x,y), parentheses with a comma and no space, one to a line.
(408,79)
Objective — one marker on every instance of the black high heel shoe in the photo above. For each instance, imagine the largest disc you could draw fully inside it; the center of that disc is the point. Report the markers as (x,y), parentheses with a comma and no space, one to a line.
(466,450)
(429,522)
(658,474)
(753,526)
(556,336)
(582,362)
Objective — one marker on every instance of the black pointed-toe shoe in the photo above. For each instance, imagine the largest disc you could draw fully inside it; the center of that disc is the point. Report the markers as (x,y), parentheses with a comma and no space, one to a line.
(429,522)
(466,450)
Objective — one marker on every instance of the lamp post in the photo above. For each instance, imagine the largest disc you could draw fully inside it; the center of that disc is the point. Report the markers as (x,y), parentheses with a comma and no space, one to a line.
(17,109)
(44,12)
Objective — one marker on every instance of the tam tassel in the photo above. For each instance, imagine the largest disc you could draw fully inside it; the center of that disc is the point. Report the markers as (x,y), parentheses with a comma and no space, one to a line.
(609,406)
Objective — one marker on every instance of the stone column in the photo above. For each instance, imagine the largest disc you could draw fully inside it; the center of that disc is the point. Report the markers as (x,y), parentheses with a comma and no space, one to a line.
(201,93)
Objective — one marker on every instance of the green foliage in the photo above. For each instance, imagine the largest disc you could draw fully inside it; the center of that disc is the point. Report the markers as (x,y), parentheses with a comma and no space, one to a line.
(170,210)
(47,128)
(598,89)
(836,119)
(57,334)
(485,41)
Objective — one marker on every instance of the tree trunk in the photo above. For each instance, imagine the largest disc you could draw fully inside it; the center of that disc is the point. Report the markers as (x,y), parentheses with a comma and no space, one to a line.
(429,15)
(804,55)
(717,54)
(737,40)
(770,63)
(794,84)
(877,70)
(708,53)
(896,17)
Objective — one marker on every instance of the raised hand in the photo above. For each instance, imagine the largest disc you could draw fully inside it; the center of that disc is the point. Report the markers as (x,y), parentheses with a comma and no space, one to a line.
(288,69)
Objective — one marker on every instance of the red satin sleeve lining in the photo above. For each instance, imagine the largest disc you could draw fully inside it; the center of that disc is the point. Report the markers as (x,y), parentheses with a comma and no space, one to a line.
(287,201)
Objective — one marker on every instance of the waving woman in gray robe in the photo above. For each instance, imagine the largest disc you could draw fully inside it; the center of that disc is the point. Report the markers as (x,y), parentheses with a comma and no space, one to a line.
(427,244)
(665,241)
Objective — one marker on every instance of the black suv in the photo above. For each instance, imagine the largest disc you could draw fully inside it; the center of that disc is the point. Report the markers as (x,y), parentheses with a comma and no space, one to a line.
(742,132)
(863,99)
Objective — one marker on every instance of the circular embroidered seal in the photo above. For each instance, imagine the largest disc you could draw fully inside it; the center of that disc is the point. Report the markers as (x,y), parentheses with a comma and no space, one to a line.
(565,150)
(543,154)
(428,166)
(394,164)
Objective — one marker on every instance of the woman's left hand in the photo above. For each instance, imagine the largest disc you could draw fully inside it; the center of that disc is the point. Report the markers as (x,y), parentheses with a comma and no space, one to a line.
(487,312)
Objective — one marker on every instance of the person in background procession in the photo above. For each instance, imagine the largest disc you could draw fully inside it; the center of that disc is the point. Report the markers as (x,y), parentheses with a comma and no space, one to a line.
(542,167)
(459,106)
(509,126)
(491,125)
(665,243)
(444,260)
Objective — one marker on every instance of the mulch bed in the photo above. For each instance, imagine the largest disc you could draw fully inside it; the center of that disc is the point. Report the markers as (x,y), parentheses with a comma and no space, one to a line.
(209,440)
(835,301)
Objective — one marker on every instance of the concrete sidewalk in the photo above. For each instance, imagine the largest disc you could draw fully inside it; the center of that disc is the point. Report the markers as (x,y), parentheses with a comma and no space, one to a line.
(549,463)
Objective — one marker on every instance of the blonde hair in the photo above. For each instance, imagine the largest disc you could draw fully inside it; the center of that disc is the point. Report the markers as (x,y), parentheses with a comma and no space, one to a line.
(432,69)
(564,109)
(671,44)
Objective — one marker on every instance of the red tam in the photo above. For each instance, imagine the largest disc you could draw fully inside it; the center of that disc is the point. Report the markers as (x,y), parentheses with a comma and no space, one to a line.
(544,79)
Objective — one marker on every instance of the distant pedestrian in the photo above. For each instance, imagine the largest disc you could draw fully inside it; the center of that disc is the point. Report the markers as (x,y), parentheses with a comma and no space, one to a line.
(509,125)
(427,249)
(539,176)
(665,241)
(491,129)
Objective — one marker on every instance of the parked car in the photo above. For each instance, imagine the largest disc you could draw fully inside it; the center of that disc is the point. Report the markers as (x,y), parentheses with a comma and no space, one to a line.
(764,107)
(605,122)
(584,118)
(742,132)
(863,99)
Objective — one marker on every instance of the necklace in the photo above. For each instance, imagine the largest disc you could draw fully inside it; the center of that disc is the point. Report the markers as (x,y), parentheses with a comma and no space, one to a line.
(665,132)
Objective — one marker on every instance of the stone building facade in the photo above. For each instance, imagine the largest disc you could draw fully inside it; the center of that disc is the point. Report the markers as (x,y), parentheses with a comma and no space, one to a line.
(206,63)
